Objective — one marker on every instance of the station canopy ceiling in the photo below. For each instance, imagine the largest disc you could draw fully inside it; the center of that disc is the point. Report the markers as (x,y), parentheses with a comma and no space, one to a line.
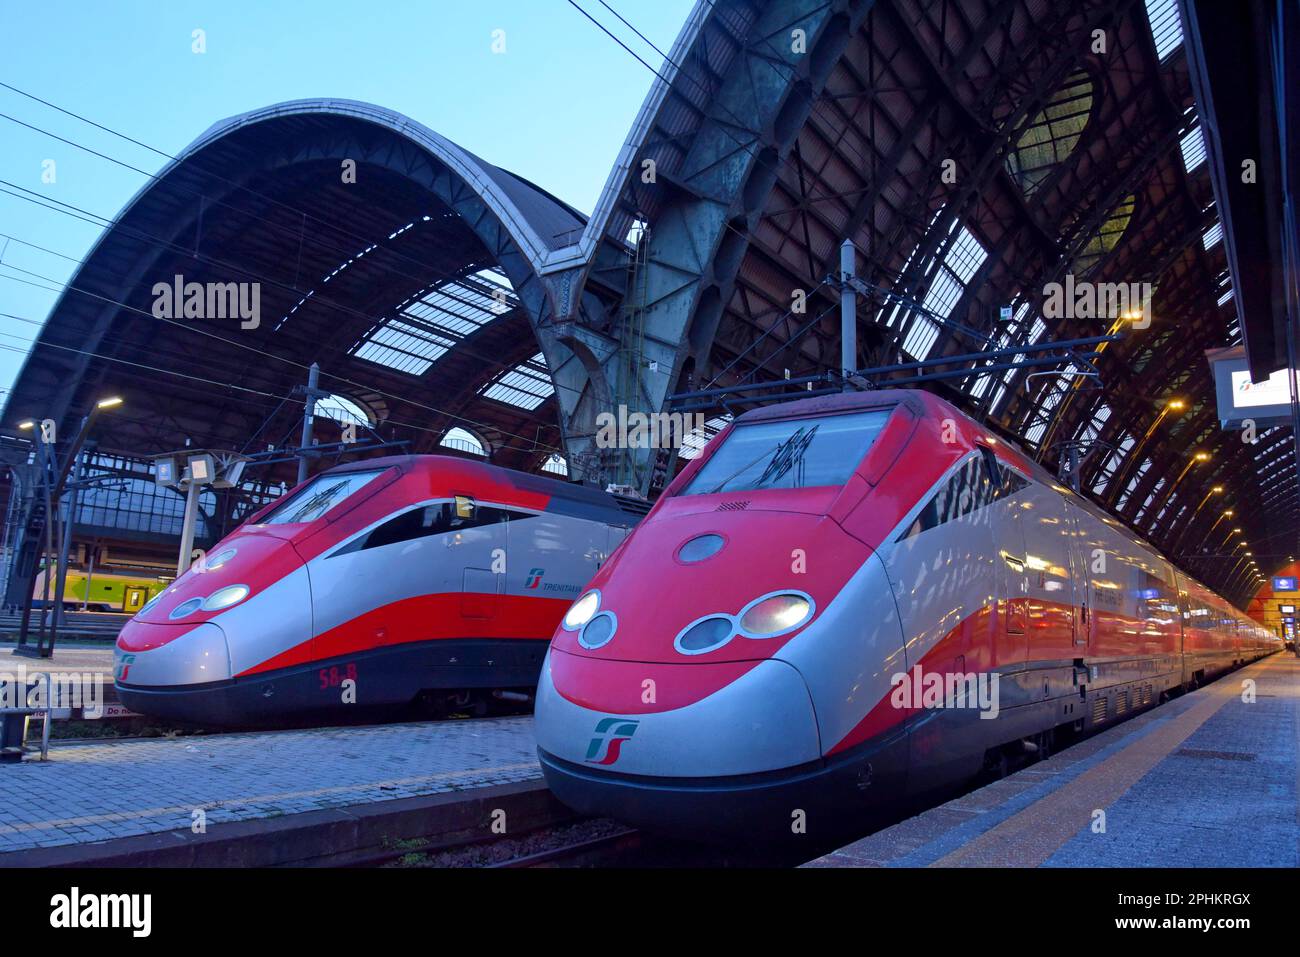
(976,152)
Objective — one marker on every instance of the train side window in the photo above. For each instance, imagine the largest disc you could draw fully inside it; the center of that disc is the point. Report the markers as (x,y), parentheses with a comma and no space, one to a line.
(968,490)
(426,520)
(991,468)
(415,523)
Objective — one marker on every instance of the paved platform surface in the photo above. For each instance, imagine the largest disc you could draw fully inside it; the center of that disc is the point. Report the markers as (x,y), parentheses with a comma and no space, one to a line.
(96,792)
(72,656)
(1206,780)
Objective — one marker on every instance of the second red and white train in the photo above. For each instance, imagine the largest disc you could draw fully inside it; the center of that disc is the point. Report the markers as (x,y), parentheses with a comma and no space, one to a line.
(373,584)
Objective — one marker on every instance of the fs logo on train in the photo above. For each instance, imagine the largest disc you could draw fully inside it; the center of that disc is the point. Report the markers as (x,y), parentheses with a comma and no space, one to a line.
(607,742)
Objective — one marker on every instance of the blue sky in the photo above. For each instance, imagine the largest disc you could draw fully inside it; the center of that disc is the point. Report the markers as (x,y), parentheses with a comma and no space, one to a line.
(555,107)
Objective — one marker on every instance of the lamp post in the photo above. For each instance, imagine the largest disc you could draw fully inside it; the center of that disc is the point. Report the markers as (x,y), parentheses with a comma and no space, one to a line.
(54,477)
(188,470)
(1216,490)
(1173,405)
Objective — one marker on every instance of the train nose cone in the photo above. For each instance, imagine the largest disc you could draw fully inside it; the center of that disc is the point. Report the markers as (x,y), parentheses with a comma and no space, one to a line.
(760,718)
(152,662)
(610,752)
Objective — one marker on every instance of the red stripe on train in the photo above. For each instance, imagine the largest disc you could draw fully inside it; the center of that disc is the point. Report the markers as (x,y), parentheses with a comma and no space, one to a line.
(428,618)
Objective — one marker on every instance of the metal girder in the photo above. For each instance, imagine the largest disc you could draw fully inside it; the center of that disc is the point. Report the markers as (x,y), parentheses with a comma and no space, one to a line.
(695,244)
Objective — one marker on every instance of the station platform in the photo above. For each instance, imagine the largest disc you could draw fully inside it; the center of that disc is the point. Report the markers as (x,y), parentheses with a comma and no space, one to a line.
(90,793)
(82,656)
(90,661)
(1208,779)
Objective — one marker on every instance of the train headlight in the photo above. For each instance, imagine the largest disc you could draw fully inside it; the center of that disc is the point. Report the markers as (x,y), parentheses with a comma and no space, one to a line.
(221,558)
(776,614)
(581,611)
(705,635)
(225,597)
(187,607)
(598,631)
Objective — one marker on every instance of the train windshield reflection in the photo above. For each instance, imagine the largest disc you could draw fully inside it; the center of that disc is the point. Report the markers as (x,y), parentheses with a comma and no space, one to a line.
(791,453)
(318,498)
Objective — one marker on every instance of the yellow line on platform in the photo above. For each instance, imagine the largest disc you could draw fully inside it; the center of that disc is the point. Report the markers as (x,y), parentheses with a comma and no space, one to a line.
(1031,836)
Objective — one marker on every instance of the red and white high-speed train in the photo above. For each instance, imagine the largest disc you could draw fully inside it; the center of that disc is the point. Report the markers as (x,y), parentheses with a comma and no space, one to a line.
(849,601)
(369,585)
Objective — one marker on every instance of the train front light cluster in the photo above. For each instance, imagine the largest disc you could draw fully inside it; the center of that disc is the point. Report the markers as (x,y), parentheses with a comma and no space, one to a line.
(220,599)
(594,630)
(767,616)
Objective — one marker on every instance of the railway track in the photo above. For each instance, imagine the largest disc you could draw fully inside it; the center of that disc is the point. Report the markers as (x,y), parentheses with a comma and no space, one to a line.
(595,852)
(579,843)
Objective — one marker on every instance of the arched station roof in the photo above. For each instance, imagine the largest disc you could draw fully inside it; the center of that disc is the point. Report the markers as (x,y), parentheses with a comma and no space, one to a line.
(975,151)
(410,278)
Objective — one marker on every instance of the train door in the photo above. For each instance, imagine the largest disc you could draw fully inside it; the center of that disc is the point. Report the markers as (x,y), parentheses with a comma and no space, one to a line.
(1080,579)
(1012,642)
(135,596)
(484,572)
(1049,620)
(614,535)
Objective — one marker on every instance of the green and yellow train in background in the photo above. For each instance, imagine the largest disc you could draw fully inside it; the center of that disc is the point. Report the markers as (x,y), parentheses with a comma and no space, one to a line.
(108,591)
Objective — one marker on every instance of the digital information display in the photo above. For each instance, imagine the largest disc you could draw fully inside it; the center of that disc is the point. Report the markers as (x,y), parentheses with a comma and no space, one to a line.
(1283,584)
(1266,403)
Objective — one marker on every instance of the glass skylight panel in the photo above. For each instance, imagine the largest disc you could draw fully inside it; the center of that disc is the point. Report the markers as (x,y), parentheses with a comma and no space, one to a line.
(696,439)
(1193,147)
(1042,415)
(430,324)
(1155,490)
(527,385)
(1112,463)
(1093,429)
(404,346)
(1132,483)
(1212,235)
(964,257)
(1166,27)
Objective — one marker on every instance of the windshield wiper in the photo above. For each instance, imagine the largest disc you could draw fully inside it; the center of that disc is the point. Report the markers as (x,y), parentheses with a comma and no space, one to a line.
(788,455)
(321,498)
(784,456)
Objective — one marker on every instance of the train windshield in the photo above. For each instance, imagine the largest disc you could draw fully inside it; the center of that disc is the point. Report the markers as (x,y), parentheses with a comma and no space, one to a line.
(791,453)
(318,497)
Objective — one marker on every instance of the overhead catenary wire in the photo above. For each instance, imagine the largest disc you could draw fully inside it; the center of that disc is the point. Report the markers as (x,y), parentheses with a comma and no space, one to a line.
(307,214)
(283,359)
(185,375)
(458,345)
